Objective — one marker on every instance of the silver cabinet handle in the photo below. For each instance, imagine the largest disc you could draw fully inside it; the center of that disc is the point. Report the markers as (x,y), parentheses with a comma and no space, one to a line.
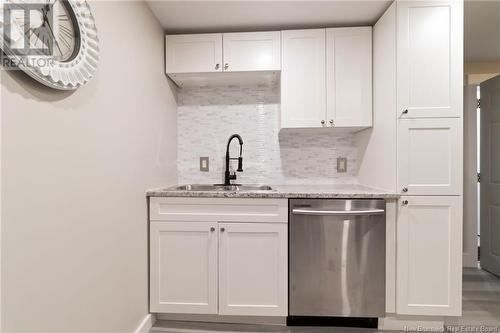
(222,229)
(298,211)
(226,65)
(212,229)
(405,189)
(404,202)
(332,123)
(405,111)
(217,66)
(322,123)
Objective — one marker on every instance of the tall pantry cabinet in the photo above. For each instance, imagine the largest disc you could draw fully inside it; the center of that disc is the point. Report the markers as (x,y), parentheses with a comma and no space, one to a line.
(425,67)
(429,157)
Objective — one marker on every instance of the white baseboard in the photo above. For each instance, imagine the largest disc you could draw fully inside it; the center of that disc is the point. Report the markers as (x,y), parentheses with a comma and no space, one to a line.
(146,324)
(411,323)
(255,320)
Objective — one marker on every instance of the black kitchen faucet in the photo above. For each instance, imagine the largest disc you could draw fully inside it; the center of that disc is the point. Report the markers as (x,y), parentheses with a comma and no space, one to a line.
(227,175)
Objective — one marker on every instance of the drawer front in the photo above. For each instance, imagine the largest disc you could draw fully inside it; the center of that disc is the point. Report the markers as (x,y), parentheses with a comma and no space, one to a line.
(219,209)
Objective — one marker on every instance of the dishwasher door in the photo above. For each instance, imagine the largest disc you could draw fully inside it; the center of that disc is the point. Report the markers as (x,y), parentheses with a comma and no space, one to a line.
(337,258)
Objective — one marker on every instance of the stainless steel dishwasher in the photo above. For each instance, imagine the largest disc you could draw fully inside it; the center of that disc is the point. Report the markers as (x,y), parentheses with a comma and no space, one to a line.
(337,258)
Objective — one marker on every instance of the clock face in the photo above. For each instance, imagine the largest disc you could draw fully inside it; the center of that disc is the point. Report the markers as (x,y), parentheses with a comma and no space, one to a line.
(62,32)
(54,28)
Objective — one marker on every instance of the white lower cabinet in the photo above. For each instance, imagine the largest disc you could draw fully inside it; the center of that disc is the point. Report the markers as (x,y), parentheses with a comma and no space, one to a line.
(252,269)
(183,267)
(230,258)
(429,256)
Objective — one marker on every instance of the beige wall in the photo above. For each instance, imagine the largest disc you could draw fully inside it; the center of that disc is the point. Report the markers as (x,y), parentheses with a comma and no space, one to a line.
(477,72)
(74,170)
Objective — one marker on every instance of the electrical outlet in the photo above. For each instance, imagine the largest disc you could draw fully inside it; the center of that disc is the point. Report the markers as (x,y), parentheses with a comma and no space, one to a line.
(341,164)
(204,164)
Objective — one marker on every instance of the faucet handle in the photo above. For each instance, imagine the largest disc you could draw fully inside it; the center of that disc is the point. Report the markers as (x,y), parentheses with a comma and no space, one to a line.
(240,164)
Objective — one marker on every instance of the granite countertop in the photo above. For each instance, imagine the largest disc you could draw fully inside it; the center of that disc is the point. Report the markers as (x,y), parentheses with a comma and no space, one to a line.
(285,191)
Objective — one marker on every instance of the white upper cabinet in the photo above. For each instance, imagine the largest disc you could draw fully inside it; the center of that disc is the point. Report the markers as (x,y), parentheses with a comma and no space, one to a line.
(430,156)
(349,76)
(303,79)
(430,57)
(200,53)
(429,259)
(230,52)
(252,51)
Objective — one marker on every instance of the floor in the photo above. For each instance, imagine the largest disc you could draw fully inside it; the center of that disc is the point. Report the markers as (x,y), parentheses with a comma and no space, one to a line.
(481,309)
(481,300)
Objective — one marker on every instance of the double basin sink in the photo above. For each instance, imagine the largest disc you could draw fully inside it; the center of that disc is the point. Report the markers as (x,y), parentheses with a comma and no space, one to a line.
(221,187)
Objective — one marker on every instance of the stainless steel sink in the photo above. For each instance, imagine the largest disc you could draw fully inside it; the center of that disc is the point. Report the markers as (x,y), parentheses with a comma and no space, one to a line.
(220,187)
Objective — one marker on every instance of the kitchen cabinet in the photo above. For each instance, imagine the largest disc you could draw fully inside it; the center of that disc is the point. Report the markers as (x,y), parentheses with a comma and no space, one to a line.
(418,81)
(219,256)
(252,269)
(199,53)
(183,267)
(229,52)
(429,256)
(326,78)
(252,51)
(303,79)
(429,58)
(430,156)
(349,77)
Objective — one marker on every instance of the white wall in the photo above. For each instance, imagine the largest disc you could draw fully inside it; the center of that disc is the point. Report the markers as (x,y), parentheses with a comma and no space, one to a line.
(470,177)
(74,170)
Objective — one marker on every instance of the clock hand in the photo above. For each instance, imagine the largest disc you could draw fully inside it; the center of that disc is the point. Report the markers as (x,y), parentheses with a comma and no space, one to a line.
(46,19)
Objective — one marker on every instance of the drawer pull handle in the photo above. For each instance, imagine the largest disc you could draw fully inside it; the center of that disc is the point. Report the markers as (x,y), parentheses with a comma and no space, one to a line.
(297,211)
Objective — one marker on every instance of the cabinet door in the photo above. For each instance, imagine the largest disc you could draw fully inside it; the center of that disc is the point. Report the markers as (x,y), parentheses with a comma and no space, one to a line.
(430,58)
(349,76)
(303,78)
(429,256)
(183,267)
(253,269)
(193,53)
(252,51)
(430,156)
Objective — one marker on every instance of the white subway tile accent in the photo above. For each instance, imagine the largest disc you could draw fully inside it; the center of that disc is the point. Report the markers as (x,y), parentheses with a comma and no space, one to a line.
(208,116)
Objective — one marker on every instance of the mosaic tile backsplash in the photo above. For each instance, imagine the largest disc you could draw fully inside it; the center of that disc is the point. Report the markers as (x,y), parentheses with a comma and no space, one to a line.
(208,116)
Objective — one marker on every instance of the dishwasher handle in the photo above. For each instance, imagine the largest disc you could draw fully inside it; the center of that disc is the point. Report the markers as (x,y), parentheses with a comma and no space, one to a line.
(301,211)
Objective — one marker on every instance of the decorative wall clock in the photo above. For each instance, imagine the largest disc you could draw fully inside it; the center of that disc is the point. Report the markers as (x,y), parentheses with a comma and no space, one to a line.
(53,41)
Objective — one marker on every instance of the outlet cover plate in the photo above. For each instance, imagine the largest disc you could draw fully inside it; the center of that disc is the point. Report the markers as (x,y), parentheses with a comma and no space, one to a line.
(204,164)
(341,164)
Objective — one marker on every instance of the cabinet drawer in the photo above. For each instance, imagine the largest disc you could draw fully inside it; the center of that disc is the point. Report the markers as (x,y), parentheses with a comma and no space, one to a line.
(219,209)
(430,156)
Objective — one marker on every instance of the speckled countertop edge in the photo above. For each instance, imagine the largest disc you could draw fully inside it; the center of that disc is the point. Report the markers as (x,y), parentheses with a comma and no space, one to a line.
(344,191)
